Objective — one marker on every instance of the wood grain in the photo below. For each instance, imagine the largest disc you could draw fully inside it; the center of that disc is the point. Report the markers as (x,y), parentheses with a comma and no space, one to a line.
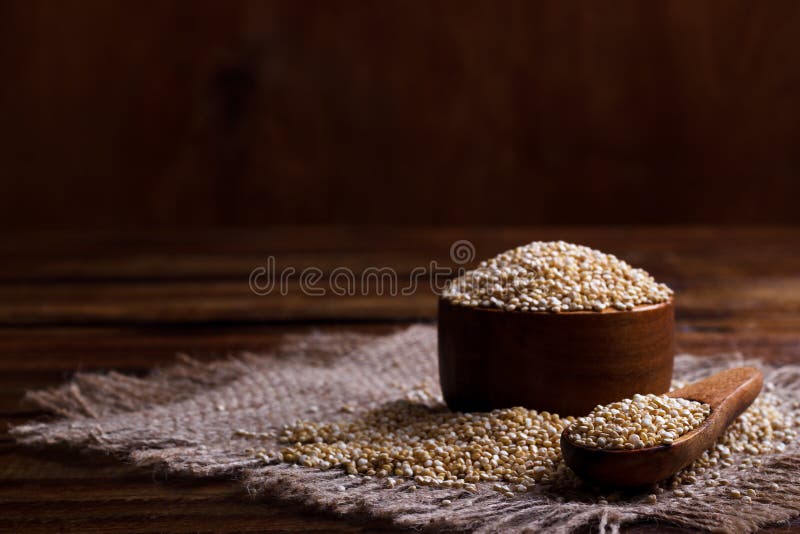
(737,291)
(183,276)
(565,363)
(196,114)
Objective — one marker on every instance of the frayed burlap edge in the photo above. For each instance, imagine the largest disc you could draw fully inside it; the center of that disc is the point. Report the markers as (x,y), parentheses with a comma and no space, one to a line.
(187,419)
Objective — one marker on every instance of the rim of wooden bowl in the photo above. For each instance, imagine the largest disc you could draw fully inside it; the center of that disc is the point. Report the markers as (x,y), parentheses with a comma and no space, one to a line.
(610,310)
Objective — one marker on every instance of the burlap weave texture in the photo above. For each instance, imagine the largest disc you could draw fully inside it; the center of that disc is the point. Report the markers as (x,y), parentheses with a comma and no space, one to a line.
(185,419)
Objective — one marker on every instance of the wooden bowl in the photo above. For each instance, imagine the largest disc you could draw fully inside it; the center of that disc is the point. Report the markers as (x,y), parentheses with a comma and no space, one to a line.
(565,363)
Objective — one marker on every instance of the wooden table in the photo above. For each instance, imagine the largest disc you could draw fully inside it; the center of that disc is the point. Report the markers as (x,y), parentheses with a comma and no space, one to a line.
(96,301)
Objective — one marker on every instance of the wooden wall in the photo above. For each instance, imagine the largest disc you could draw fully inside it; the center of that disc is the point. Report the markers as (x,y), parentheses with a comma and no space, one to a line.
(128,114)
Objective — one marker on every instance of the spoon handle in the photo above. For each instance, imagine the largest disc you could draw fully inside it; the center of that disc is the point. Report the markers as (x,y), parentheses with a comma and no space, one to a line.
(732,390)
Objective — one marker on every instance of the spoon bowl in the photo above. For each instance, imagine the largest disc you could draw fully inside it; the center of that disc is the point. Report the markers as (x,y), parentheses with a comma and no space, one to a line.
(728,393)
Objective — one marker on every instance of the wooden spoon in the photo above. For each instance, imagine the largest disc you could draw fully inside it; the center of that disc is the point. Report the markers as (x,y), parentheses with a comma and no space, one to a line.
(728,393)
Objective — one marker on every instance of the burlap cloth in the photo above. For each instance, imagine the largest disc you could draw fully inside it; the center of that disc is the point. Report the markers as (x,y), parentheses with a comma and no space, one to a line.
(185,419)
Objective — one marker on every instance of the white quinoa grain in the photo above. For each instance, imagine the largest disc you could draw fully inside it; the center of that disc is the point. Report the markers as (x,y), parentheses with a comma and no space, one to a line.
(518,449)
(642,421)
(515,448)
(557,277)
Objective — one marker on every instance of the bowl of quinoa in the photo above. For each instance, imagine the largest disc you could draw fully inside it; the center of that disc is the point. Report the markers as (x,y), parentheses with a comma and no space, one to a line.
(554,326)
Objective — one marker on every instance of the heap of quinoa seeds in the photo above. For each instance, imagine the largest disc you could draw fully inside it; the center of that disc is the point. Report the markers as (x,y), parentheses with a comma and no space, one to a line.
(558,277)
(643,421)
(511,449)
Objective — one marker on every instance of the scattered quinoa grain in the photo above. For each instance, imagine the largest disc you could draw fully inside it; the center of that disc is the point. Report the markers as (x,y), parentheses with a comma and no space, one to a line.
(516,449)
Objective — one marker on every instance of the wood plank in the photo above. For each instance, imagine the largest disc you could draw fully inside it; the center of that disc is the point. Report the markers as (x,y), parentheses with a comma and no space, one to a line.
(91,493)
(185,277)
(136,348)
(752,241)
(195,302)
(234,301)
(123,115)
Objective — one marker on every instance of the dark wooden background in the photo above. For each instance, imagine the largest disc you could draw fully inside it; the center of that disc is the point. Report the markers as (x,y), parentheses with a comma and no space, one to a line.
(199,114)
